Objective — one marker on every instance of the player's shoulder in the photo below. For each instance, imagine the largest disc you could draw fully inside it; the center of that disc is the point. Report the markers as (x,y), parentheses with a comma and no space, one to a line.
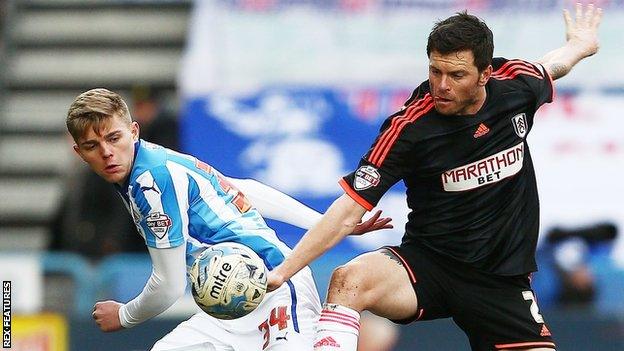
(416,110)
(150,164)
(419,96)
(512,71)
(149,155)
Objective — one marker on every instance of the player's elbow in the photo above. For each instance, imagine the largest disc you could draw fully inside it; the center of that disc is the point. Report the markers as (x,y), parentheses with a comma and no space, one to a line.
(177,291)
(349,213)
(348,224)
(173,295)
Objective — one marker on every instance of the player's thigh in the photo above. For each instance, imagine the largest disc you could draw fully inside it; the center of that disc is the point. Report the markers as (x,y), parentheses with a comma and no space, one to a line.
(289,316)
(376,281)
(194,334)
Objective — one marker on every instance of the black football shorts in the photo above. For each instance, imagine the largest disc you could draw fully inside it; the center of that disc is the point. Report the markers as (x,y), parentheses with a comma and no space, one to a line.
(496,312)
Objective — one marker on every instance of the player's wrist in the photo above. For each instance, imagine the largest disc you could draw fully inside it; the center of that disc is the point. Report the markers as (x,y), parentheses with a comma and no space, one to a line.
(582,48)
(280,274)
(121,314)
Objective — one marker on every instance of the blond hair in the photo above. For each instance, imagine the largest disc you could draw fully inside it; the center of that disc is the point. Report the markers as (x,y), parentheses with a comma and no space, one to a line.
(92,109)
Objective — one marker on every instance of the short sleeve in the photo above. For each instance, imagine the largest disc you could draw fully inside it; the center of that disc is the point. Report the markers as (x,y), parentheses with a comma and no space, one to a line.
(388,159)
(542,85)
(368,183)
(160,215)
(533,76)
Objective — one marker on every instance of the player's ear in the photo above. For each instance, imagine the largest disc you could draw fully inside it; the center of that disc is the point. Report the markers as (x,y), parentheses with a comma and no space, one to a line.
(134,129)
(484,76)
(77,151)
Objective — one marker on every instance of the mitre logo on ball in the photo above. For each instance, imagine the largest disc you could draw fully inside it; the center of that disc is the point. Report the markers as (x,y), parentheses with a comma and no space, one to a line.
(228,280)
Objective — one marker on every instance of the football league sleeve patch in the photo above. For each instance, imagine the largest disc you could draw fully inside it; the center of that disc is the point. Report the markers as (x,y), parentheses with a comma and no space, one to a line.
(387,160)
(367,184)
(159,211)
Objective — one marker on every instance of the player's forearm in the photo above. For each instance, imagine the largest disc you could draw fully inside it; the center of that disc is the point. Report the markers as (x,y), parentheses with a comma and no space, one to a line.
(559,62)
(165,286)
(153,300)
(338,222)
(274,204)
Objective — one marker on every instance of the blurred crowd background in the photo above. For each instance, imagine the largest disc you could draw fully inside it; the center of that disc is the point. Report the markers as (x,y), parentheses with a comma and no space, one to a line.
(291,93)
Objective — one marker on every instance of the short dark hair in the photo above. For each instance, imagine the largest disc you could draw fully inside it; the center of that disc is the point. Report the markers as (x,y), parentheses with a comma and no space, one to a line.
(463,32)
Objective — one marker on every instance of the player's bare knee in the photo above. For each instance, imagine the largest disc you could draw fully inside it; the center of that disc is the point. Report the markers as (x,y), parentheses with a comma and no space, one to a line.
(349,286)
(344,280)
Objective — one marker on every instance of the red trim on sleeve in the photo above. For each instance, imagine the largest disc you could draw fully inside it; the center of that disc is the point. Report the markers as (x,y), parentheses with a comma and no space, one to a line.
(523,345)
(355,196)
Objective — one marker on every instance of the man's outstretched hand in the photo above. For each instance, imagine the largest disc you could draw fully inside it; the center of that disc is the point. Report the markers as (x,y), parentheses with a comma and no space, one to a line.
(372,224)
(583,30)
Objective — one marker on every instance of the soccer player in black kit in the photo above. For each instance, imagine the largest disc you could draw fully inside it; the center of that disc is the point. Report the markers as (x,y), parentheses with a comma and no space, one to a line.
(459,144)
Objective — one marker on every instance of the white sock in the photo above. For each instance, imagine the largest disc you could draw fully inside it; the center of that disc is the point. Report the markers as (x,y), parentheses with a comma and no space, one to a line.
(338,329)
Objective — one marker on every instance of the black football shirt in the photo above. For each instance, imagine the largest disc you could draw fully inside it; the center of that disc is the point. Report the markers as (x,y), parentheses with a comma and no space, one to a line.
(470,181)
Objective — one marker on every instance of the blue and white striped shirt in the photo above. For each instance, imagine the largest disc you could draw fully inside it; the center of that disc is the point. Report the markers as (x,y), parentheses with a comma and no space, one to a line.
(176,199)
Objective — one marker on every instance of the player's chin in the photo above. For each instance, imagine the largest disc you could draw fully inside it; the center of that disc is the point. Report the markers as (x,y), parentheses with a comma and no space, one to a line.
(112,177)
(445,108)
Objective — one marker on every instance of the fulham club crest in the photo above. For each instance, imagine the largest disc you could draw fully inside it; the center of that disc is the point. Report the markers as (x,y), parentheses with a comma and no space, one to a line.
(159,224)
(366,177)
(520,125)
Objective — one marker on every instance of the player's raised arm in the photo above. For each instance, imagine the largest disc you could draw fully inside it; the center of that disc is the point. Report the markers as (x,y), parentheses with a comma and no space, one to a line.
(339,221)
(274,204)
(581,41)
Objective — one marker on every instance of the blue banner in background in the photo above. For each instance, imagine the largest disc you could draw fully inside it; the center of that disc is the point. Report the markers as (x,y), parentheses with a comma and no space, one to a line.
(298,140)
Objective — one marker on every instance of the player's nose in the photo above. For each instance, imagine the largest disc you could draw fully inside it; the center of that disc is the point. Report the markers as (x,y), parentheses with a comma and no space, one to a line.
(443,85)
(106,150)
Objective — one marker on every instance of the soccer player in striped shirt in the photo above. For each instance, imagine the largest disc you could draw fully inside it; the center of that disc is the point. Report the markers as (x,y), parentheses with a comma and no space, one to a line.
(180,206)
(459,144)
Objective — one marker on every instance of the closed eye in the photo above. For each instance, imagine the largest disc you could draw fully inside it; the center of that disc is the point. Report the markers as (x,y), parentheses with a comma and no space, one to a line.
(113,138)
(458,75)
(88,146)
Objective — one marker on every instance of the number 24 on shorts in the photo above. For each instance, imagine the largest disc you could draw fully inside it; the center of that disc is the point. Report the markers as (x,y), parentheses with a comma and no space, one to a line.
(279,318)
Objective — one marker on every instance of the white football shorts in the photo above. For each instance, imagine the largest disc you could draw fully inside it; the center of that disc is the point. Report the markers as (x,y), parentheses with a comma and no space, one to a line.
(285,320)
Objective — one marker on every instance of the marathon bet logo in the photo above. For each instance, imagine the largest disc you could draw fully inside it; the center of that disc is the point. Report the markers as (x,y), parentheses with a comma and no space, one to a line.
(366,177)
(486,171)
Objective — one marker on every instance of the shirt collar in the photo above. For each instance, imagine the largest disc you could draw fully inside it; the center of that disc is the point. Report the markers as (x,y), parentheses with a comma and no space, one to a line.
(123,190)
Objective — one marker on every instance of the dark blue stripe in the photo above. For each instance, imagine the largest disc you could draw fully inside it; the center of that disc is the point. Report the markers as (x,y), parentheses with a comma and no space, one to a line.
(169,201)
(293,306)
(144,208)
